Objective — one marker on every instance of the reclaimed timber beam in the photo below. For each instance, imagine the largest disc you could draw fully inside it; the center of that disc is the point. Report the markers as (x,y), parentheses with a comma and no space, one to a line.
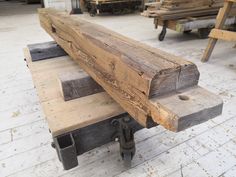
(132,73)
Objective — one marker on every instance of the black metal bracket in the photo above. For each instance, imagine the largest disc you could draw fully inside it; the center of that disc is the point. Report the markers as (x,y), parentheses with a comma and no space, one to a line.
(66,150)
(72,144)
(125,136)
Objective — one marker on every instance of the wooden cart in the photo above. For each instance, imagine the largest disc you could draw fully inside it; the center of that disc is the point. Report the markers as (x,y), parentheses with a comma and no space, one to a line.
(82,116)
(202,24)
(184,20)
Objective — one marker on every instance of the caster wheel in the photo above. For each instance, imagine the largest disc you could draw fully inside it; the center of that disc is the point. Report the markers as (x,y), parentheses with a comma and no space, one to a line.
(187,32)
(53,145)
(127,158)
(162,35)
(92,14)
(203,33)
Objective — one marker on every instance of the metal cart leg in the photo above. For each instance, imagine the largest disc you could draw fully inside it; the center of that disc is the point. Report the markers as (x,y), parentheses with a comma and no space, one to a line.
(77,142)
(162,35)
(125,135)
(66,150)
(155,23)
(203,33)
(93,11)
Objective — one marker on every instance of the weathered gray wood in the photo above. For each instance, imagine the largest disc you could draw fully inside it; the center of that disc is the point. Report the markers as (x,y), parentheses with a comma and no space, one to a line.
(77,84)
(201,23)
(193,105)
(45,50)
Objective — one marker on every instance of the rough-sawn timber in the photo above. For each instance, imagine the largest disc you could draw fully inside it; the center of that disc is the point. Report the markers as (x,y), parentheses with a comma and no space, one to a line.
(133,74)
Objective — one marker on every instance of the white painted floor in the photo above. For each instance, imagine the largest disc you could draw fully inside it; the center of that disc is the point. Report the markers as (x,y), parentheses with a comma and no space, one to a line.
(203,151)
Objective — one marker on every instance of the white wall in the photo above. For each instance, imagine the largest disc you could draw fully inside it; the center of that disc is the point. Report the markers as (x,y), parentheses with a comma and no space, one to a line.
(58,4)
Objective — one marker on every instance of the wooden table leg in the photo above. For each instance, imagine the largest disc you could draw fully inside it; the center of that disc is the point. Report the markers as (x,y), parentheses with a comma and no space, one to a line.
(209,49)
(221,18)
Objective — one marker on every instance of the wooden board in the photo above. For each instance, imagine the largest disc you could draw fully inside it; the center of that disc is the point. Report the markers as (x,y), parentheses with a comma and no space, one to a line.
(184,13)
(77,84)
(188,4)
(179,9)
(64,117)
(130,72)
(46,50)
(193,105)
(223,35)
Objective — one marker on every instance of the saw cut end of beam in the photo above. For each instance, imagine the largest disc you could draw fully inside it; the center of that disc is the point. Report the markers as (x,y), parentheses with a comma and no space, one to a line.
(133,74)
(192,106)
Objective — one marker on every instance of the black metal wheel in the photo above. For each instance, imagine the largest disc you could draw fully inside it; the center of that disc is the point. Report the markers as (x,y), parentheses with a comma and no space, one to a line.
(203,33)
(53,145)
(127,158)
(92,14)
(187,31)
(92,10)
(162,35)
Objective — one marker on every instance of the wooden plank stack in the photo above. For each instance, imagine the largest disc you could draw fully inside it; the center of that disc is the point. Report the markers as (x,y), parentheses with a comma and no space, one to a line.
(177,9)
(153,86)
(189,4)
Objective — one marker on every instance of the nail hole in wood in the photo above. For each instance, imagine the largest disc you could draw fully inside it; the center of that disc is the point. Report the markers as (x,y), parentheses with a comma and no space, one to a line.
(53,29)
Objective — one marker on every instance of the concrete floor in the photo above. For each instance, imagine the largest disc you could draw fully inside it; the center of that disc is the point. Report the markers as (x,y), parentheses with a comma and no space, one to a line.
(202,151)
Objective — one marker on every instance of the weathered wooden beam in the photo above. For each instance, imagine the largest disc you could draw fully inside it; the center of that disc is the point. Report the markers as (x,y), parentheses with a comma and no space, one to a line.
(77,84)
(223,35)
(41,51)
(131,73)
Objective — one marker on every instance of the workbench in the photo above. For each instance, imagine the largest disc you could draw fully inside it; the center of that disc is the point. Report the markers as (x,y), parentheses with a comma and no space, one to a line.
(93,119)
(82,124)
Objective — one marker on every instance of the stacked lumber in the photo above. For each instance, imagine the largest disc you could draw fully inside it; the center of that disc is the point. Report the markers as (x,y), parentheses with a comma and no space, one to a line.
(153,86)
(177,9)
(152,5)
(179,14)
(189,4)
